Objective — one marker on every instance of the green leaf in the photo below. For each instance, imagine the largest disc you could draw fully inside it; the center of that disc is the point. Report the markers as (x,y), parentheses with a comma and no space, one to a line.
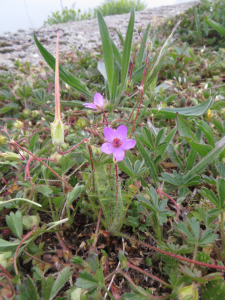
(116,53)
(43,189)
(221,191)
(148,160)
(209,158)
(205,128)
(115,84)
(142,48)
(47,284)
(32,289)
(146,203)
(86,281)
(126,53)
(208,237)
(122,259)
(102,69)
(60,281)
(184,230)
(211,196)
(8,246)
(74,194)
(218,27)
(63,73)
(184,129)
(107,50)
(193,111)
(14,221)
(32,142)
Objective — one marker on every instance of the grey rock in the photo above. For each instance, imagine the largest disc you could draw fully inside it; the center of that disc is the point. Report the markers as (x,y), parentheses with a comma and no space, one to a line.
(4,43)
(6,50)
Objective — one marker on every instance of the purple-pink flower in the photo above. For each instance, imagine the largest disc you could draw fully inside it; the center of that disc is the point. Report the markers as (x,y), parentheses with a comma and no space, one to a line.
(99,103)
(117,142)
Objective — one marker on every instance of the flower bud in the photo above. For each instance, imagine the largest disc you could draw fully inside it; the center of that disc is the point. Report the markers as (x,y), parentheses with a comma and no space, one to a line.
(149,47)
(65,146)
(6,259)
(57,133)
(81,123)
(10,156)
(188,292)
(30,221)
(18,124)
(139,29)
(35,113)
(26,112)
(96,150)
(56,156)
(129,87)
(3,140)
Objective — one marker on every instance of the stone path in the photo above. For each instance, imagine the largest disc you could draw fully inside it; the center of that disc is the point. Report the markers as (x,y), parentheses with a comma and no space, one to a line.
(84,35)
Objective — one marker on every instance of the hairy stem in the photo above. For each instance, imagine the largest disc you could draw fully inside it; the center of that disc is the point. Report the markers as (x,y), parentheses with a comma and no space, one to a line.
(74,147)
(92,165)
(181,258)
(39,159)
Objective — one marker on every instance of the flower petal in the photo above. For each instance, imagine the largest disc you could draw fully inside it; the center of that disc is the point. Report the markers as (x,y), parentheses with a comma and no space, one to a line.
(128,144)
(110,134)
(107,148)
(90,105)
(98,100)
(121,132)
(118,153)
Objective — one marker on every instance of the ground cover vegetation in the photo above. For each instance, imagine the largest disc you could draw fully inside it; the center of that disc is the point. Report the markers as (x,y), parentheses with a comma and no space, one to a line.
(108,7)
(112,169)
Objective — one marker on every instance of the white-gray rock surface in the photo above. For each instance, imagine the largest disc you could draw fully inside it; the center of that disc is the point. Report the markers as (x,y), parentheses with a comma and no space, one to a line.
(82,35)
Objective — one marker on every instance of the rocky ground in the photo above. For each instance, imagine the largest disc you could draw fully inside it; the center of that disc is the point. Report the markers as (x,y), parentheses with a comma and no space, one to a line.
(82,35)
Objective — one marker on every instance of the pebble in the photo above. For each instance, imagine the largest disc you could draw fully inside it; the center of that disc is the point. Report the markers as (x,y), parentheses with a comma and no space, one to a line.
(83,35)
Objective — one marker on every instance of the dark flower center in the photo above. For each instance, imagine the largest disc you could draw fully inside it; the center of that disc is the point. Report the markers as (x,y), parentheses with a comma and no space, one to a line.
(117,143)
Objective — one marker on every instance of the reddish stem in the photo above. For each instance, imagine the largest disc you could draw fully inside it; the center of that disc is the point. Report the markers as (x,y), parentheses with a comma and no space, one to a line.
(74,147)
(9,283)
(92,165)
(117,186)
(105,118)
(129,265)
(97,226)
(93,132)
(39,159)
(181,258)
(131,70)
(6,272)
(141,90)
(175,203)
(17,249)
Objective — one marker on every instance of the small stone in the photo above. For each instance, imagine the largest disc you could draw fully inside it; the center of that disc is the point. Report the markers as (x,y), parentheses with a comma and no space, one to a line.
(4,43)
(22,54)
(6,50)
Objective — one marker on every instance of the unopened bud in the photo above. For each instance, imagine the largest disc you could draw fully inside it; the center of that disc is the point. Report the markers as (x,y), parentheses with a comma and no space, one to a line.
(26,112)
(81,123)
(149,47)
(18,124)
(3,140)
(139,29)
(65,146)
(30,221)
(6,259)
(188,292)
(10,156)
(57,133)
(96,150)
(129,87)
(57,157)
(35,113)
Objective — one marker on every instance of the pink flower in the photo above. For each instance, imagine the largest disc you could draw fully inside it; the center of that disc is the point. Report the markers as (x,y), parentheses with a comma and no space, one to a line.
(99,103)
(117,142)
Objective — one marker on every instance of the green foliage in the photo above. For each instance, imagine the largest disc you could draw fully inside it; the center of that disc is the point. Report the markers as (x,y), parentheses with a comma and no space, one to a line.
(116,7)
(66,15)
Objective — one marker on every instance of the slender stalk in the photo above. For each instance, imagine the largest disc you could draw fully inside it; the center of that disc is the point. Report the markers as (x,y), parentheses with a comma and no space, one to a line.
(141,90)
(97,227)
(131,70)
(17,249)
(39,159)
(109,294)
(6,272)
(222,230)
(117,187)
(9,283)
(74,147)
(181,258)
(175,203)
(105,118)
(92,165)
(148,274)
(132,283)
(57,92)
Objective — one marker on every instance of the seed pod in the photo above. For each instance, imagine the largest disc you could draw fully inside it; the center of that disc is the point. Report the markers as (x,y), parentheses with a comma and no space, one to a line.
(57,133)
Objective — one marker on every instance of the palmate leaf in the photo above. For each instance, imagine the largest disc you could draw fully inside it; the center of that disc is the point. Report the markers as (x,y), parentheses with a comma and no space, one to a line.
(63,73)
(86,281)
(14,221)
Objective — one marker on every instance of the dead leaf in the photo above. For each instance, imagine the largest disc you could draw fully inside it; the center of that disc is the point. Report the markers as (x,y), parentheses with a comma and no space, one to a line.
(137,261)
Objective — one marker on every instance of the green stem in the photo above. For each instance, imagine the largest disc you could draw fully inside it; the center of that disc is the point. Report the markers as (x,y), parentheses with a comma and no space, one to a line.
(108,293)
(92,165)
